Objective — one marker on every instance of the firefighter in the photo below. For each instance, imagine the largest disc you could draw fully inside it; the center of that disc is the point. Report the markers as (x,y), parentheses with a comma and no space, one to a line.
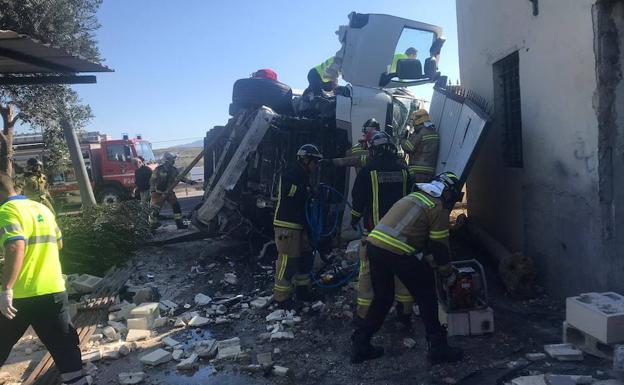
(34,183)
(289,225)
(33,290)
(422,147)
(357,156)
(161,180)
(378,185)
(411,242)
(319,79)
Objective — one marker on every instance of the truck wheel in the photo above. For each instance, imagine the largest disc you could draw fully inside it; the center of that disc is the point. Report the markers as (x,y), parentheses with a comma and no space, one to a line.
(110,195)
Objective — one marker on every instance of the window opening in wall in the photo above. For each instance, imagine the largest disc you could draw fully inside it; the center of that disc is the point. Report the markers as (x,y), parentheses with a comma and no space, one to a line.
(508,107)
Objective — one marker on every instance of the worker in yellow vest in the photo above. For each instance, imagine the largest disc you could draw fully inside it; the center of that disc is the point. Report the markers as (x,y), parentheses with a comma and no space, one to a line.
(322,78)
(410,53)
(33,290)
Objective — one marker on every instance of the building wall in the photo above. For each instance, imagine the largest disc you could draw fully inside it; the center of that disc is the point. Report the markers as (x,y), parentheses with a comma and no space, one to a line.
(550,207)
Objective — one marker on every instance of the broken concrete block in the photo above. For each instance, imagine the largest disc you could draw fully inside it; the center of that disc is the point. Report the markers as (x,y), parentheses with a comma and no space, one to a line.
(110,333)
(123,313)
(202,299)
(206,348)
(110,352)
(529,380)
(282,336)
(149,310)
(157,357)
(137,335)
(198,321)
(145,294)
(124,350)
(188,363)
(142,323)
(277,315)
(409,343)
(318,306)
(177,354)
(131,378)
(118,326)
(228,348)
(86,283)
(92,356)
(535,356)
(564,352)
(230,278)
(601,315)
(260,302)
(159,322)
(179,323)
(280,371)
(264,358)
(172,343)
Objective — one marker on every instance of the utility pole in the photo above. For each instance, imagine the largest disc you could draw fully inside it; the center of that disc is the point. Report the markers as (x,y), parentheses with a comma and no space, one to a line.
(75,154)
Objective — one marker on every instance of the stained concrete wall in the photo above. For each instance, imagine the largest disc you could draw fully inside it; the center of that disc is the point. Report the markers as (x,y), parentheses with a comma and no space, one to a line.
(550,207)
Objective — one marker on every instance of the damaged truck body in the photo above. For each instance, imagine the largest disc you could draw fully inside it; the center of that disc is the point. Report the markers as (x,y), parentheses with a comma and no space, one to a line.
(243,159)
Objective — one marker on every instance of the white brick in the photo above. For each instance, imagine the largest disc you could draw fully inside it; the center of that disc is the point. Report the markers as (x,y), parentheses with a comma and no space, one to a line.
(95,355)
(139,323)
(601,315)
(198,321)
(147,309)
(86,283)
(228,348)
(188,363)
(564,352)
(279,371)
(137,335)
(172,343)
(157,357)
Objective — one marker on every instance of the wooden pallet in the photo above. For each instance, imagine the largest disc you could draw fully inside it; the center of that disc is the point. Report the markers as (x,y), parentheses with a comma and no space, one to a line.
(86,321)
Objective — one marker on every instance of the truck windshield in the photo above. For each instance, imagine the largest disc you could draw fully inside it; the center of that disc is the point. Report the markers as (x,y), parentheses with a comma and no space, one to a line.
(144,150)
(401,108)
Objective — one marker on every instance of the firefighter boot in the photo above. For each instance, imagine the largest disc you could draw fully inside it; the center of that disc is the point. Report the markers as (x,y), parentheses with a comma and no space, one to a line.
(362,350)
(440,351)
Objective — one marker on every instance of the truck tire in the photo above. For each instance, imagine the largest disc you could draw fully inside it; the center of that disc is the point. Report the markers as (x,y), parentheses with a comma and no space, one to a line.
(253,93)
(110,195)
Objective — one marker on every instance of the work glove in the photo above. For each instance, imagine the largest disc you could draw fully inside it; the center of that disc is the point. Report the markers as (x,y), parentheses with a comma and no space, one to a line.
(6,304)
(448,275)
(327,163)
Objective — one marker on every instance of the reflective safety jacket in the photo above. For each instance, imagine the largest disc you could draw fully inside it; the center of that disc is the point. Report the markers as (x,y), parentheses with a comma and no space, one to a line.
(163,177)
(377,187)
(414,225)
(322,69)
(422,147)
(33,223)
(291,199)
(33,185)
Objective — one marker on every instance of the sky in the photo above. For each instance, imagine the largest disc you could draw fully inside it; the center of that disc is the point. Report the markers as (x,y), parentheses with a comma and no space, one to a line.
(175,62)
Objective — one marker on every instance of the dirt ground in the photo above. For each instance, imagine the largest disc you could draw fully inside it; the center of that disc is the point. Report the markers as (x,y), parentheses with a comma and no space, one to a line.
(319,352)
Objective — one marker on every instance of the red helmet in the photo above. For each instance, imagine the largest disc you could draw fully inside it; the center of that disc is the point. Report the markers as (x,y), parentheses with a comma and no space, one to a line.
(265,73)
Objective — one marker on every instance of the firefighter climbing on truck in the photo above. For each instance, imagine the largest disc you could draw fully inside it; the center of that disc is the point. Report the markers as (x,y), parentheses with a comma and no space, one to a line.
(161,181)
(293,251)
(421,146)
(378,185)
(411,242)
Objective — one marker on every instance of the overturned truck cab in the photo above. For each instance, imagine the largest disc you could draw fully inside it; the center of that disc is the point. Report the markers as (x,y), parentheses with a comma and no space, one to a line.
(243,159)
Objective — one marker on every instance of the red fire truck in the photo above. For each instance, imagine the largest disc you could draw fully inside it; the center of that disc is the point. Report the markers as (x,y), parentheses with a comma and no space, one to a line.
(109,164)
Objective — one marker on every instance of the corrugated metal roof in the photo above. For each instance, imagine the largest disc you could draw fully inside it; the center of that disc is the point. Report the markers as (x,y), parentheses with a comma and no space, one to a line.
(20,54)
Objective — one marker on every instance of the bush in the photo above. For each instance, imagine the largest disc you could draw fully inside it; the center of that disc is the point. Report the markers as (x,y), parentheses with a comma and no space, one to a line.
(102,236)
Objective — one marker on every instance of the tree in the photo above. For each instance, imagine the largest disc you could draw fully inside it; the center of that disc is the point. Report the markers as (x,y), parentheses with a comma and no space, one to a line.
(68,24)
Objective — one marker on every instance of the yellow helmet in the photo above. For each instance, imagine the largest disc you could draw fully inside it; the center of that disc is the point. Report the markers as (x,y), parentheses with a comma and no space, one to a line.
(419,117)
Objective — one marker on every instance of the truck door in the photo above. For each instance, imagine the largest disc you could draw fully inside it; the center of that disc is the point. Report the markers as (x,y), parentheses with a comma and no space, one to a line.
(117,163)
(372,45)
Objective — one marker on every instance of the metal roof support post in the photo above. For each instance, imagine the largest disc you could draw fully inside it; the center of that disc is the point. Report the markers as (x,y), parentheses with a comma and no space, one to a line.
(75,154)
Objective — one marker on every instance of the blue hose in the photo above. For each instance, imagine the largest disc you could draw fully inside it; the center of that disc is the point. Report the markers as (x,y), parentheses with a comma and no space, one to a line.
(315,216)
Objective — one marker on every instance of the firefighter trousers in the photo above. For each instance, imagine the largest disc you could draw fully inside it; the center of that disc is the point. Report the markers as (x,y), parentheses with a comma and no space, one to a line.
(418,277)
(49,317)
(365,289)
(419,177)
(156,202)
(291,268)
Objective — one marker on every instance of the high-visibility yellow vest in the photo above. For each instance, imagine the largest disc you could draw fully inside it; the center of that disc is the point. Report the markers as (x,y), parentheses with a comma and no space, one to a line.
(395,59)
(33,223)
